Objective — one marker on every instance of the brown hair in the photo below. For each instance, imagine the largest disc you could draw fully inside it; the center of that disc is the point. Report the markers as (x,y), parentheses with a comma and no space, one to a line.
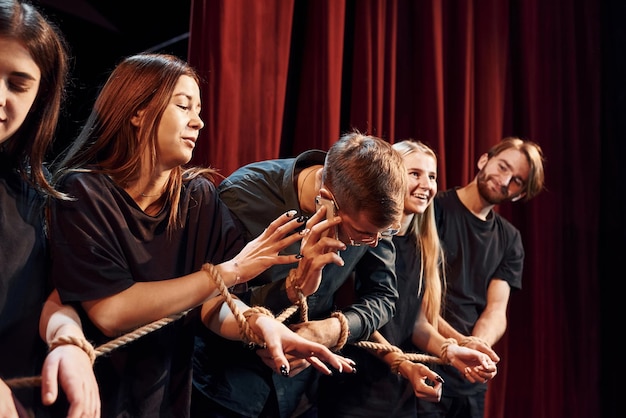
(535,183)
(365,173)
(28,146)
(109,143)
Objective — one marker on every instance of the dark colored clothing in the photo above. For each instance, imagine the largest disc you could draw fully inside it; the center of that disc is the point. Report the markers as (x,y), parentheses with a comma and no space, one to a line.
(257,194)
(476,252)
(374,391)
(103,243)
(24,283)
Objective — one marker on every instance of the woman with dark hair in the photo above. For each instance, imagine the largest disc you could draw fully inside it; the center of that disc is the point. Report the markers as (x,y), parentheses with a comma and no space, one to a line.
(33,70)
(146,237)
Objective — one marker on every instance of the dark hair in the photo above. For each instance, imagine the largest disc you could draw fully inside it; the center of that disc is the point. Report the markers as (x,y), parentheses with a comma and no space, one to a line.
(21,21)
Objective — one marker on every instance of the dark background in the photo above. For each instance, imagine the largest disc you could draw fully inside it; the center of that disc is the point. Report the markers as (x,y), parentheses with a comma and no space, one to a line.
(101,32)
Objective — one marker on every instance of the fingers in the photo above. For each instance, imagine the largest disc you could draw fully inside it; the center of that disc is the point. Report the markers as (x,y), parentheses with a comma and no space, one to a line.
(478,375)
(49,378)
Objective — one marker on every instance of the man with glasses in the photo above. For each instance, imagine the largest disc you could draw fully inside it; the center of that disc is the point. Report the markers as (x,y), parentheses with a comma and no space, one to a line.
(362,180)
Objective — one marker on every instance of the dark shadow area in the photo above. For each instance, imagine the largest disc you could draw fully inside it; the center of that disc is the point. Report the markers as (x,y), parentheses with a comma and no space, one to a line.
(100,33)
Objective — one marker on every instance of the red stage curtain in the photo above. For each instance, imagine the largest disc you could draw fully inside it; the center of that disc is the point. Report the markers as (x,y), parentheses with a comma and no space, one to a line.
(285,76)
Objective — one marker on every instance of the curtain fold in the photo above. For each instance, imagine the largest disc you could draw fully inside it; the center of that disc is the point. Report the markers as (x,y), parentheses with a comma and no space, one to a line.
(289,75)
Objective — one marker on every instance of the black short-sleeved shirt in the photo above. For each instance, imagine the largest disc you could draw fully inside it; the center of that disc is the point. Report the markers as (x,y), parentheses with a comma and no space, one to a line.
(476,252)
(24,284)
(374,391)
(103,243)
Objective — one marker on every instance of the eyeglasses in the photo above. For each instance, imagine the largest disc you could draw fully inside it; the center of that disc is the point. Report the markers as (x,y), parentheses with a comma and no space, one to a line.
(366,238)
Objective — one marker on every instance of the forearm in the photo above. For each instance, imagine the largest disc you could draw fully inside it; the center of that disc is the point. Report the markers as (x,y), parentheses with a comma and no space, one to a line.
(490,327)
(58,320)
(447,331)
(426,337)
(146,302)
(218,317)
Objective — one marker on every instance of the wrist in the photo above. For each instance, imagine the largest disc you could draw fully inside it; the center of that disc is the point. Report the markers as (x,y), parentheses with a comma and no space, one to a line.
(472,339)
(229,272)
(79,342)
(293,288)
(444,349)
(396,364)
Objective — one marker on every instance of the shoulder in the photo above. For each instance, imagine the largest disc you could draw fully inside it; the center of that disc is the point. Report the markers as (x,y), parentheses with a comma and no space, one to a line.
(88,182)
(505,225)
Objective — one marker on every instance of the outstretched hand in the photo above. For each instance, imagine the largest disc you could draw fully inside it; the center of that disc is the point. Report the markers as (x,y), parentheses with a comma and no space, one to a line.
(280,341)
(264,251)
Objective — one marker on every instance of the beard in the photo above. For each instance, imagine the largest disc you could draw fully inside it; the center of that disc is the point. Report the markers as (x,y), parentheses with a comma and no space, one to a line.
(487,193)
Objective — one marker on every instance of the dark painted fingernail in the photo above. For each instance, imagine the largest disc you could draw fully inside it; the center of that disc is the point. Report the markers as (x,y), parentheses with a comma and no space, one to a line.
(439,379)
(284,371)
(299,256)
(302,218)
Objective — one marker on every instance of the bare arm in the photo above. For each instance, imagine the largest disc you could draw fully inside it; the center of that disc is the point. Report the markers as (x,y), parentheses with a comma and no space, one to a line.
(492,323)
(145,302)
(279,340)
(67,364)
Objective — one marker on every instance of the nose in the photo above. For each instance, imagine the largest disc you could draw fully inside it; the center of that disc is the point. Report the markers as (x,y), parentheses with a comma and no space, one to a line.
(196,121)
(3,92)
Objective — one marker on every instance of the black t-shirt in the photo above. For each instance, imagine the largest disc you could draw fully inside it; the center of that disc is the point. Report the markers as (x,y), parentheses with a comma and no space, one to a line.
(102,244)
(374,391)
(476,252)
(24,284)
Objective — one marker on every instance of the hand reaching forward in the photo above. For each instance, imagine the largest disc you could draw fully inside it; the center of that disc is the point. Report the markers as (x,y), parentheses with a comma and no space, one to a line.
(264,251)
(475,366)
(280,341)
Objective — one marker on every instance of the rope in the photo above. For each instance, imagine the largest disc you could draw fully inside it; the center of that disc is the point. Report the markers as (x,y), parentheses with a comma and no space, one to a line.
(22,382)
(246,332)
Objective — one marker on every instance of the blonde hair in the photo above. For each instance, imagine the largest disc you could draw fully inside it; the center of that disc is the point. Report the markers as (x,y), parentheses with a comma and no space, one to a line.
(428,246)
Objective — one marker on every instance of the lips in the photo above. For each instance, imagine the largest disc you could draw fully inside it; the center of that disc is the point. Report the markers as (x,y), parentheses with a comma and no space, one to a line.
(421,196)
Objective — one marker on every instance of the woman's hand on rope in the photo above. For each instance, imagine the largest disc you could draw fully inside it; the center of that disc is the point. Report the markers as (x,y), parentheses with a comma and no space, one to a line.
(70,366)
(263,251)
(475,366)
(280,341)
(427,385)
(317,249)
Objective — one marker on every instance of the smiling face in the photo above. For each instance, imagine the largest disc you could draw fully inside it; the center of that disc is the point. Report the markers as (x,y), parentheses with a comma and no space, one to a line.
(180,125)
(19,84)
(502,177)
(422,181)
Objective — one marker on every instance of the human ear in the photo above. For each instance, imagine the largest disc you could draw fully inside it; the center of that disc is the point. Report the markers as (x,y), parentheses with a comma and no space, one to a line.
(137,118)
(325,193)
(482,161)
